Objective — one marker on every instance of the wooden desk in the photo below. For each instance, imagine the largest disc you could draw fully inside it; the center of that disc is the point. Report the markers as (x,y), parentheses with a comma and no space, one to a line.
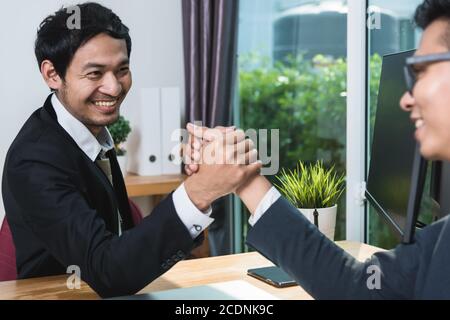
(138,186)
(184,274)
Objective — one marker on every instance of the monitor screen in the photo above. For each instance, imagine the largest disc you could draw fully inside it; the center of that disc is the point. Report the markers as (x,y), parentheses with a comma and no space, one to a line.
(393,146)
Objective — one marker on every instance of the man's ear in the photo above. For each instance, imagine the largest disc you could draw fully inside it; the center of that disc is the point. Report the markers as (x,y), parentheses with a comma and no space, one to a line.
(50,75)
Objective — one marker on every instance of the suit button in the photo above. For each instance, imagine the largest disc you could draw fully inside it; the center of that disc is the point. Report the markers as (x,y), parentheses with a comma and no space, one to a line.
(164,266)
(175,258)
(181,254)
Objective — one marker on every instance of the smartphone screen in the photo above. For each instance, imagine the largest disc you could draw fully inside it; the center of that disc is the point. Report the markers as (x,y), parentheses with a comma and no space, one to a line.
(272,275)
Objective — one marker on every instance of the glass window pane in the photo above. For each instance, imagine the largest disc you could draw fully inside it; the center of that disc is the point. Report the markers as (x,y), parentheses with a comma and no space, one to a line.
(292,77)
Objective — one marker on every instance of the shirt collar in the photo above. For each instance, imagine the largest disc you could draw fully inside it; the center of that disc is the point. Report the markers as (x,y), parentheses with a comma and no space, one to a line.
(85,140)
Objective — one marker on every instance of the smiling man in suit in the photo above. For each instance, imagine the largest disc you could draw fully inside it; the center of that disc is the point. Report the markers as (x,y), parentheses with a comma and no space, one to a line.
(63,191)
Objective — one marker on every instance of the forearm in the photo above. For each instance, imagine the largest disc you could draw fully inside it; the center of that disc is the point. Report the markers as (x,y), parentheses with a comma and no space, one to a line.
(140,255)
(285,237)
(325,270)
(253,191)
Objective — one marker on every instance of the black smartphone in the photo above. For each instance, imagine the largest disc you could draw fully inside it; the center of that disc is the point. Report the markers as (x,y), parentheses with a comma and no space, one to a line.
(272,275)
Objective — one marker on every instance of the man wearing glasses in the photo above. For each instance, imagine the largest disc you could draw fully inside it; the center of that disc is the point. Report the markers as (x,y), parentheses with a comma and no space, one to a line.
(416,271)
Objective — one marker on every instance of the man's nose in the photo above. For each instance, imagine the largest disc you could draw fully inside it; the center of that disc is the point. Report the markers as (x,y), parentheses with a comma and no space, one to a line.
(407,102)
(111,86)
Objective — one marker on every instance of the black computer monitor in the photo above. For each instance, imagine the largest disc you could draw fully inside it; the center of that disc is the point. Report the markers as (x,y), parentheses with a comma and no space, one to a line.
(397,171)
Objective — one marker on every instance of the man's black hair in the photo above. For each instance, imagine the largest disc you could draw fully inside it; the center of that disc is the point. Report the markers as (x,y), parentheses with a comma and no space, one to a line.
(57,41)
(431,10)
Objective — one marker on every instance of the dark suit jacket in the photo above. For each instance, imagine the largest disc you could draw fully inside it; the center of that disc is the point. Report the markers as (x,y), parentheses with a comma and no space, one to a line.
(415,271)
(62,211)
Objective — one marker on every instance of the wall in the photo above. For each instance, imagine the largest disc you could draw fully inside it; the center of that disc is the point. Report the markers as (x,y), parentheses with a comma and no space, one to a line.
(156,60)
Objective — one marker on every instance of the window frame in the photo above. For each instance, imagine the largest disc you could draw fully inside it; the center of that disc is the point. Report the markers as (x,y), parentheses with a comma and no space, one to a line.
(357,96)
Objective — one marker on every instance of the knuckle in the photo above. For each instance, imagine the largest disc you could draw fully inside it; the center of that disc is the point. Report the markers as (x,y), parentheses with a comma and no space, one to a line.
(240,134)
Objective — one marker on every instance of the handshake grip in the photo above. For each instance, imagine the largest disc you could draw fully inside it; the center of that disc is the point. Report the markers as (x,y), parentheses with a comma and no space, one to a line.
(218,161)
(217,146)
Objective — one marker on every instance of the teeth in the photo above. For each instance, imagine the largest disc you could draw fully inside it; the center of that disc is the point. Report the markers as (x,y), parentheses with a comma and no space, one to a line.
(105,104)
(419,123)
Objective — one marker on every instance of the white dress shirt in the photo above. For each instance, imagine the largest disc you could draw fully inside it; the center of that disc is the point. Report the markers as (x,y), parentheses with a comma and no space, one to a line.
(194,220)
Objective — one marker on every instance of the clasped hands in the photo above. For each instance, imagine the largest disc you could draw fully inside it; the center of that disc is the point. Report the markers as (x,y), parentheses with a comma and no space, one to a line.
(218,162)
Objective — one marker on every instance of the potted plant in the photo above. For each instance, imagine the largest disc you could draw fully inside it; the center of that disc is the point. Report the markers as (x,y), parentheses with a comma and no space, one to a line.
(119,131)
(314,190)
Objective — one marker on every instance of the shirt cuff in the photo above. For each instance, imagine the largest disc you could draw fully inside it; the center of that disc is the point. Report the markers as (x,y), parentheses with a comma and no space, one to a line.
(195,220)
(269,199)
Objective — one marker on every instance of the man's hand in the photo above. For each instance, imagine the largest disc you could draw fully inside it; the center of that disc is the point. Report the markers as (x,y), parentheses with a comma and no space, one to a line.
(226,161)
(191,150)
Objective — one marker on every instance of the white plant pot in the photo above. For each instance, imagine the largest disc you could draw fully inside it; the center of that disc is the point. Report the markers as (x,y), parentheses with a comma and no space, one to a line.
(123,161)
(327,219)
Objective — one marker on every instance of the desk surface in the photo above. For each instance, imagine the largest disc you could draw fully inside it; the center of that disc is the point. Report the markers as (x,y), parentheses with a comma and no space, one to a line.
(184,274)
(138,186)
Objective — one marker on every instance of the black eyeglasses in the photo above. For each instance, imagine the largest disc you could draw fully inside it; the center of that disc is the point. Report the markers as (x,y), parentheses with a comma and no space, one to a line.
(410,73)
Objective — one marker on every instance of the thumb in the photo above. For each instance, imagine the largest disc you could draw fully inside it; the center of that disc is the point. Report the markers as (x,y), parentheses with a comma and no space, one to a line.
(253,169)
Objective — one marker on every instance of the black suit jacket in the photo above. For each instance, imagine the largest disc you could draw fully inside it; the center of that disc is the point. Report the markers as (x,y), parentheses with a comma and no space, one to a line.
(63,211)
(414,271)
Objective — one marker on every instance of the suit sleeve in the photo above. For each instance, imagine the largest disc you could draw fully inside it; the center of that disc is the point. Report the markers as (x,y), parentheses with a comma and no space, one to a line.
(325,270)
(59,216)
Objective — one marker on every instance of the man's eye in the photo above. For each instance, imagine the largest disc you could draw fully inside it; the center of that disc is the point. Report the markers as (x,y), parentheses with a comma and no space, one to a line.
(124,70)
(94,75)
(418,69)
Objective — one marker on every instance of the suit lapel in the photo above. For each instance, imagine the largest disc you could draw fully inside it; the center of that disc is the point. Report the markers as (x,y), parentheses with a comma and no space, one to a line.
(117,196)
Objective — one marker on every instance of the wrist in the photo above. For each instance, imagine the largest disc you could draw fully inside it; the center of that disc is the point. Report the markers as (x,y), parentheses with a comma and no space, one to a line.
(253,191)
(199,195)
